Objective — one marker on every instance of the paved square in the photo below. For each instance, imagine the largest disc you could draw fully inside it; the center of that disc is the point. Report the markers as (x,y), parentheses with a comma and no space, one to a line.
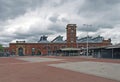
(38,59)
(107,70)
(37,69)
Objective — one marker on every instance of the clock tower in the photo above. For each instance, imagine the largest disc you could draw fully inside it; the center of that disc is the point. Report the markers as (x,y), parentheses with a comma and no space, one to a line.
(71,35)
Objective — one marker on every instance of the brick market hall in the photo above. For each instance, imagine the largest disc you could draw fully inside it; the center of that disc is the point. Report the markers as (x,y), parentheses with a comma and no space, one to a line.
(45,47)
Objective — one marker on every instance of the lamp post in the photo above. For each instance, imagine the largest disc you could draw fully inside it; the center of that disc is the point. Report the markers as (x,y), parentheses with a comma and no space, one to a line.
(87,43)
(87,25)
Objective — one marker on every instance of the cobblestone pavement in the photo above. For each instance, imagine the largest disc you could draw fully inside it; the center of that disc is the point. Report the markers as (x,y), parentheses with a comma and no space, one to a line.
(36,69)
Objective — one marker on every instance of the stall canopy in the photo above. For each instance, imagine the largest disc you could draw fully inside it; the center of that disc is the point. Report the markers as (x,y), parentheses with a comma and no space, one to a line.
(113,46)
(70,51)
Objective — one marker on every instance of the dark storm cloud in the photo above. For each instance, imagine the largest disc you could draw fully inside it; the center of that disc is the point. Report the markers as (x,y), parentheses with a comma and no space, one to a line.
(31,33)
(105,12)
(2,25)
(88,28)
(65,20)
(97,6)
(57,28)
(58,3)
(12,8)
(6,40)
(93,28)
(54,18)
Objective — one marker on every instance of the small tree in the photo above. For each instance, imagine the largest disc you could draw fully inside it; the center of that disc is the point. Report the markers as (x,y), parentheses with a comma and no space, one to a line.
(1,48)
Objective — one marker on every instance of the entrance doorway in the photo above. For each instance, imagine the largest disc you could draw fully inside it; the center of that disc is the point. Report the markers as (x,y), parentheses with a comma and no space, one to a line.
(38,52)
(20,51)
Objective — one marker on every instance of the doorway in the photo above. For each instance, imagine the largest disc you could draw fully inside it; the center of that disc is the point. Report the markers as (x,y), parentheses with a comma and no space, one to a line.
(20,51)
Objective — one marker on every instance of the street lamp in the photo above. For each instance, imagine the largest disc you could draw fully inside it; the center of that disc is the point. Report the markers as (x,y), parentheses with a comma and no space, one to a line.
(87,25)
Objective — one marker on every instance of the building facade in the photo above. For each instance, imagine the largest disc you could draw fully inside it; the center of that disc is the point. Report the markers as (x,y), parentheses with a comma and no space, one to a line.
(45,47)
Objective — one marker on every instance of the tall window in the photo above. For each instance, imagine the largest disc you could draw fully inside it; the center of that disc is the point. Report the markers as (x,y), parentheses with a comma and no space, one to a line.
(33,51)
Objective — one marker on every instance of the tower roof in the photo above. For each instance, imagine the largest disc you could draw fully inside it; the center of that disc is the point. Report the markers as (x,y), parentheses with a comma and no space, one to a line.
(71,26)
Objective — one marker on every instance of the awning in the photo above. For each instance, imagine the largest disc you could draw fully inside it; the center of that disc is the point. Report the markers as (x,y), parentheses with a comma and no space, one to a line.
(70,49)
(113,46)
(91,48)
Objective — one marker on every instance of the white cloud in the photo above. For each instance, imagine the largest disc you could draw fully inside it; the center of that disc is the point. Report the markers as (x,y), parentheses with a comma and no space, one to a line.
(40,17)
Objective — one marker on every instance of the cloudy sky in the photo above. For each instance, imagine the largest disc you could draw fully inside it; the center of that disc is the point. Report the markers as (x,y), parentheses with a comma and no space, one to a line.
(29,19)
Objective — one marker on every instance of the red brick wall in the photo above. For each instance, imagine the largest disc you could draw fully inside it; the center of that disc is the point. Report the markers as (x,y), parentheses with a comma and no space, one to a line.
(45,47)
(71,35)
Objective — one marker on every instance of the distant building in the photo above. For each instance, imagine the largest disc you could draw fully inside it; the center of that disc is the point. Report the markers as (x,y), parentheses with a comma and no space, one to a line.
(45,47)
(111,51)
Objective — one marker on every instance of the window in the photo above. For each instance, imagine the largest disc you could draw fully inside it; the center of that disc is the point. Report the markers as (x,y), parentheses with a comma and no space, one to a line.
(72,31)
(33,49)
